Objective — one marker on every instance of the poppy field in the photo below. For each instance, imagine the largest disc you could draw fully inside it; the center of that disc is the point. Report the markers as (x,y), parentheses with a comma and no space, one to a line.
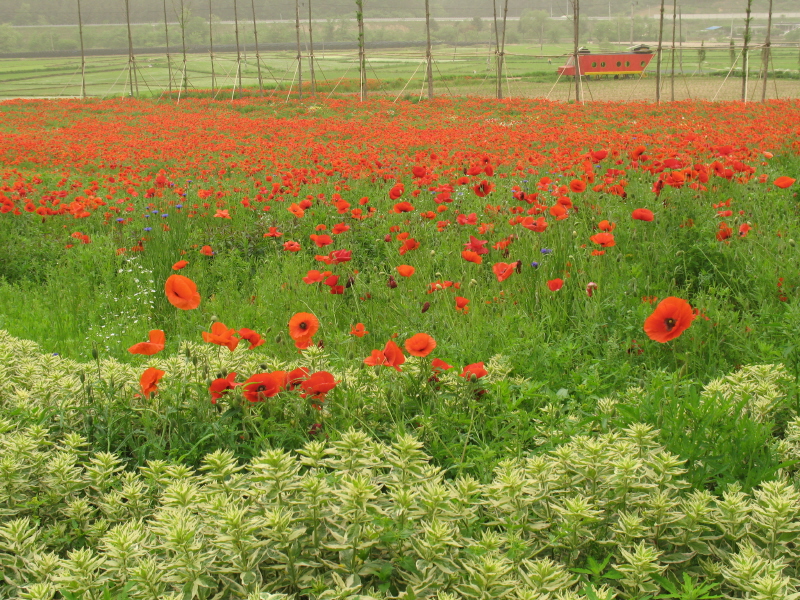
(499,280)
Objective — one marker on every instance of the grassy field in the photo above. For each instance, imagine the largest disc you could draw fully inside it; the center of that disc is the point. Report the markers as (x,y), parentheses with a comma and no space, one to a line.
(530,72)
(461,348)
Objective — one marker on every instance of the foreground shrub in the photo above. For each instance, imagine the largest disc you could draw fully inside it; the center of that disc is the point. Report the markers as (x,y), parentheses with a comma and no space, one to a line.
(605,515)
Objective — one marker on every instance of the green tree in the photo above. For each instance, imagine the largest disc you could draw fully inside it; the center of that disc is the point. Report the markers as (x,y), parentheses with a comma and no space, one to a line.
(9,39)
(701,55)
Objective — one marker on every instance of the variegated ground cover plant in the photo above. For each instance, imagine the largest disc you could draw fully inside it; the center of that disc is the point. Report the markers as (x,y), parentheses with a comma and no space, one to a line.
(609,513)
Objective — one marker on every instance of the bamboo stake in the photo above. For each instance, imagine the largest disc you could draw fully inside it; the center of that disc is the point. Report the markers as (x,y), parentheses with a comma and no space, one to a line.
(672,75)
(299,55)
(211,48)
(767,52)
(362,58)
(166,37)
(258,56)
(428,58)
(498,88)
(238,80)
(658,55)
(311,54)
(501,55)
(83,56)
(575,36)
(185,78)
(745,58)
(131,59)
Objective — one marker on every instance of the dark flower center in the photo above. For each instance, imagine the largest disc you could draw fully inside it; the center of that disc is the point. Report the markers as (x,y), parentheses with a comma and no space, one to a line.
(261,388)
(303,325)
(670,323)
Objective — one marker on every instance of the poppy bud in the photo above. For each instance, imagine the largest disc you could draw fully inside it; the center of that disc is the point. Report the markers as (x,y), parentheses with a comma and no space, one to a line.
(262,367)
(350,281)
(214,318)
(82,376)
(387,237)
(320,344)
(278,339)
(519,266)
(574,233)
(472,282)
(679,253)
(391,283)
(791,243)
(433,252)
(426,306)
(95,354)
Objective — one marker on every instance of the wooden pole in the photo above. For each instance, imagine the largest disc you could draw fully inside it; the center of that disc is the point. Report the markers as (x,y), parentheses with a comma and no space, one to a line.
(766,54)
(299,55)
(258,56)
(428,56)
(502,55)
(131,60)
(238,50)
(674,26)
(311,54)
(166,37)
(211,49)
(745,57)
(658,55)
(184,11)
(83,56)
(575,37)
(680,38)
(362,57)
(498,88)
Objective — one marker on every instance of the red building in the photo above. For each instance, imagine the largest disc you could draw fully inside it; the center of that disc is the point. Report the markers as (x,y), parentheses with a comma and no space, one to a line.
(618,63)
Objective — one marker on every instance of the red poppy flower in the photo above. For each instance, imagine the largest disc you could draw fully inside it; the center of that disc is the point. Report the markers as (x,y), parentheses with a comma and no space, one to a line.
(724,232)
(397,191)
(220,386)
(340,228)
(439,365)
(251,336)
(222,214)
(265,385)
(405,270)
(409,244)
(784,182)
(555,284)
(474,371)
(180,265)
(154,346)
(642,214)
(577,185)
(207,251)
(420,344)
(321,240)
(273,233)
(182,292)
(606,240)
(539,225)
(670,319)
(483,189)
(503,270)
(148,382)
(302,327)
(390,356)
(604,225)
(296,377)
(291,246)
(477,246)
(318,385)
(222,336)
(403,207)
(461,304)
(471,256)
(358,330)
(314,276)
